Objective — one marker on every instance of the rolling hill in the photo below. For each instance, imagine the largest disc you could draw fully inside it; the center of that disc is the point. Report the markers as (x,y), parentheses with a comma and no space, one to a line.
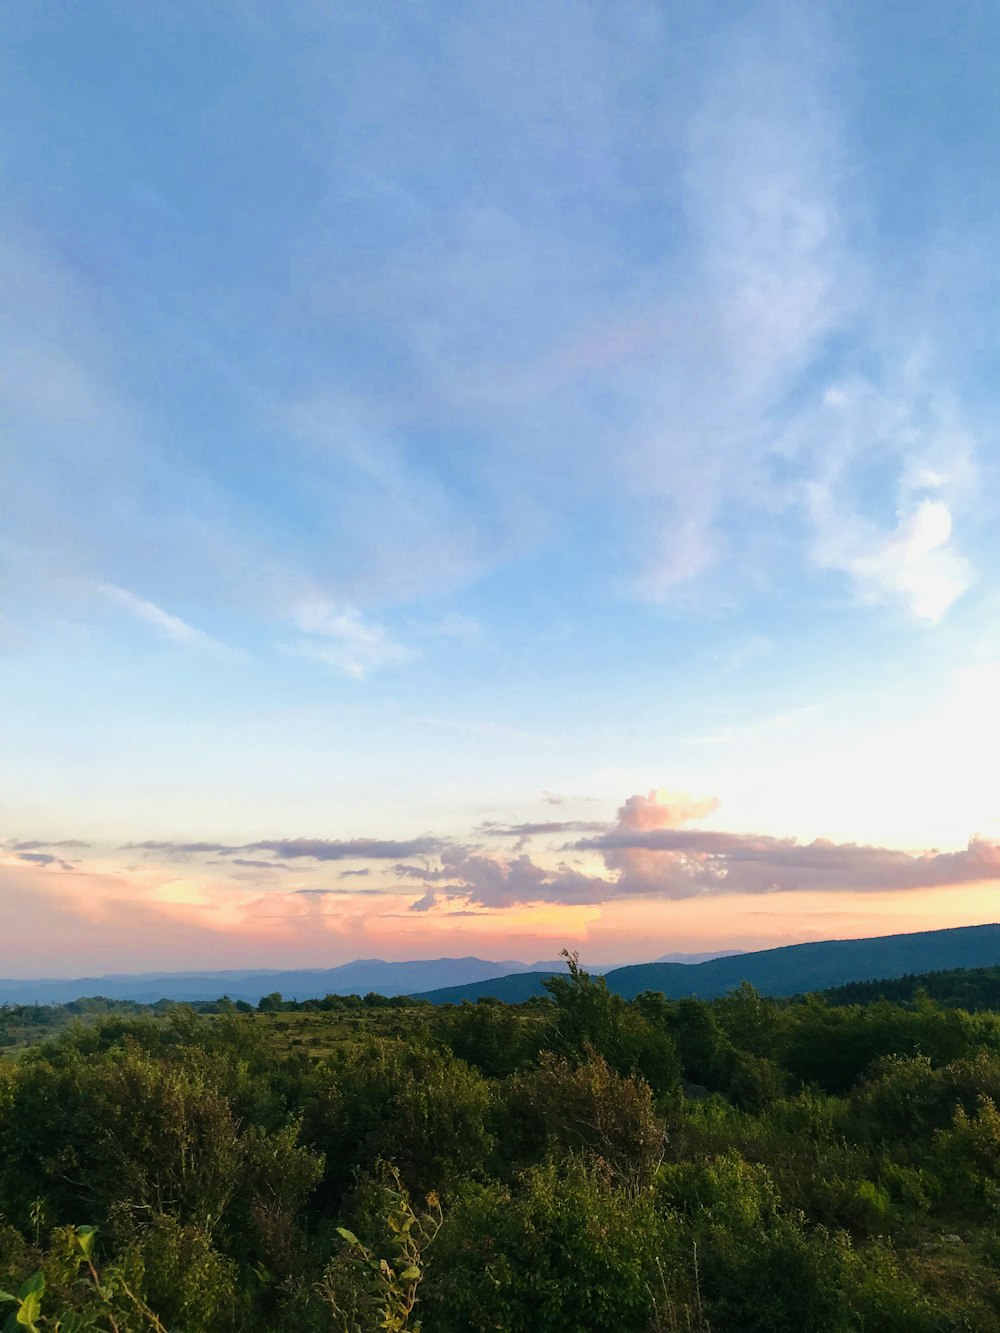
(788,970)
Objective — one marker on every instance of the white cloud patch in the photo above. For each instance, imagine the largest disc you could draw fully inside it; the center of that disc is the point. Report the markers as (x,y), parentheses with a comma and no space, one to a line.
(760,419)
(663,809)
(914,563)
(169,626)
(913,434)
(342,637)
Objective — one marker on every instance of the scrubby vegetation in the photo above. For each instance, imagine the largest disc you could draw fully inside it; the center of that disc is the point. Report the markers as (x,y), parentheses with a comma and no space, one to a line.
(580,1163)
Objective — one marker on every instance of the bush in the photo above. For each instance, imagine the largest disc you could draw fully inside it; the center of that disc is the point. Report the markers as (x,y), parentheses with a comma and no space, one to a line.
(562,1249)
(407,1103)
(559,1108)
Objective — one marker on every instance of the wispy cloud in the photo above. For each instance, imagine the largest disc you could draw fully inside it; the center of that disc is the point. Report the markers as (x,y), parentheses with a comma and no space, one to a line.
(911,560)
(343,893)
(773,415)
(35,844)
(370,849)
(169,626)
(585,370)
(523,833)
(316,849)
(44,859)
(343,638)
(495,830)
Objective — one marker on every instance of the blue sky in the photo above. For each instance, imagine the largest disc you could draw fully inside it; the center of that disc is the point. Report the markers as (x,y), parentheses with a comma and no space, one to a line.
(417,418)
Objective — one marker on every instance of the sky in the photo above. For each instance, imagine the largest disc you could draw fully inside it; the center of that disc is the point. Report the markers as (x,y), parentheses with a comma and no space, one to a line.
(479,479)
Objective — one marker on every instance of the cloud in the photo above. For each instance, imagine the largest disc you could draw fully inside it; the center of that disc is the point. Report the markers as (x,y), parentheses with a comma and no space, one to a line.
(182,850)
(169,626)
(811,388)
(342,637)
(491,880)
(650,855)
(340,893)
(767,274)
(662,809)
(35,844)
(564,320)
(915,563)
(364,849)
(641,381)
(317,849)
(44,859)
(525,832)
(648,852)
(910,558)
(678,863)
(682,863)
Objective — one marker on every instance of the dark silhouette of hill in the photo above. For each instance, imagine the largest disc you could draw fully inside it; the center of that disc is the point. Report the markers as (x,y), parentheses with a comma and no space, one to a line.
(789,970)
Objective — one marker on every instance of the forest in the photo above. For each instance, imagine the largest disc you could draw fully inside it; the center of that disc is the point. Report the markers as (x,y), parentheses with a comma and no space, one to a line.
(578,1162)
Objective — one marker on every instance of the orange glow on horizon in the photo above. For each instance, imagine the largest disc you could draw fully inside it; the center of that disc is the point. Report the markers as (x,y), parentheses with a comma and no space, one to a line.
(151,919)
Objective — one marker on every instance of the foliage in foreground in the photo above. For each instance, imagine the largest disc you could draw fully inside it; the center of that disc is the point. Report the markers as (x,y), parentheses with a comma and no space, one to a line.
(585,1164)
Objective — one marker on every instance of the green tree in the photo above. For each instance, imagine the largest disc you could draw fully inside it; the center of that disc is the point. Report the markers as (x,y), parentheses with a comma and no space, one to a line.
(589,1017)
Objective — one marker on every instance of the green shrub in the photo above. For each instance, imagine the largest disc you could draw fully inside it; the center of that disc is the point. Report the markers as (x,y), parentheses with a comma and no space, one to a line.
(560,1108)
(561,1249)
(404,1102)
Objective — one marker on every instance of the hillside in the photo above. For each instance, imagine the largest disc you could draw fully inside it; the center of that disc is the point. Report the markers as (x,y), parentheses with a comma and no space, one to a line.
(976,989)
(789,970)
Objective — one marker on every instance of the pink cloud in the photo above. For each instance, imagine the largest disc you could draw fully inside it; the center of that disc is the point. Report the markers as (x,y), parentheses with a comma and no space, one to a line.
(662,809)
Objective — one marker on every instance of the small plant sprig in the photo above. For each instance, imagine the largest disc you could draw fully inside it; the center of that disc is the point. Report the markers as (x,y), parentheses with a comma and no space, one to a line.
(396,1280)
(28,1314)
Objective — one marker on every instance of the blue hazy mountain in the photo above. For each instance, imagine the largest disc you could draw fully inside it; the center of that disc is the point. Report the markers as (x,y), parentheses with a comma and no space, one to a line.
(789,970)
(689,958)
(359,977)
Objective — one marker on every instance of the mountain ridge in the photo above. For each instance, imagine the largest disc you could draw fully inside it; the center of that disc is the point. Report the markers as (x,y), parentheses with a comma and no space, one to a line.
(360,975)
(788,969)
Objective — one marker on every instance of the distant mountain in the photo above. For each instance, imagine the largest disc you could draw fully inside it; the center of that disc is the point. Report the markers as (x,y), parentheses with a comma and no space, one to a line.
(786,971)
(511,989)
(360,977)
(697,957)
(789,970)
